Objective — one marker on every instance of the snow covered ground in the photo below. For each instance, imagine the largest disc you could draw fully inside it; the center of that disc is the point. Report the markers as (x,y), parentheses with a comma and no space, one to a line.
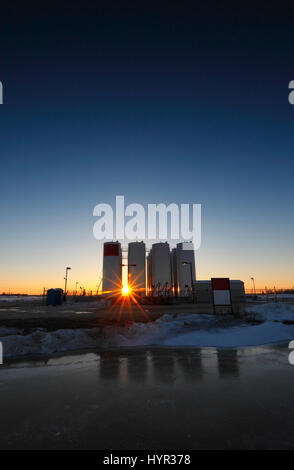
(265,297)
(272,311)
(19,298)
(190,330)
(16,343)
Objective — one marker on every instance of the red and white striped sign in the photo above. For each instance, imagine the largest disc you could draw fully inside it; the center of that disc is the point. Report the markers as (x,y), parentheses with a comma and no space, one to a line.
(221,290)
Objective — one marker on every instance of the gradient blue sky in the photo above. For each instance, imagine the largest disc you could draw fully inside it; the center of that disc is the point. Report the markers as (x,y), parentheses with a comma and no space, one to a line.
(158,103)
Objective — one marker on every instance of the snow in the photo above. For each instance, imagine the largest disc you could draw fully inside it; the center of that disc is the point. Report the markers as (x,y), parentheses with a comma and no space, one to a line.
(273,296)
(9,331)
(19,298)
(183,330)
(247,335)
(196,330)
(44,342)
(272,311)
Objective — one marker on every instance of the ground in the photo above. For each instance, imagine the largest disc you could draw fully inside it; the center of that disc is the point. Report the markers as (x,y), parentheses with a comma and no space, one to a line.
(86,376)
(150,398)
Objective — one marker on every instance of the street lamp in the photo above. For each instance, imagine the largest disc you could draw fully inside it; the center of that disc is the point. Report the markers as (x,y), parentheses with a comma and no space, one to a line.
(254,290)
(65,279)
(127,265)
(76,288)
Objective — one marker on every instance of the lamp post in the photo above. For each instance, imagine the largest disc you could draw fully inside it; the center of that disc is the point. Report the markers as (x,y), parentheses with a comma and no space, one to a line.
(185,263)
(127,265)
(76,288)
(83,290)
(253,282)
(65,279)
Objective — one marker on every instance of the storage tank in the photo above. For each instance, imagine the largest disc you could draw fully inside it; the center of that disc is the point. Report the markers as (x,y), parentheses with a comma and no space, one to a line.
(112,269)
(185,268)
(161,269)
(137,268)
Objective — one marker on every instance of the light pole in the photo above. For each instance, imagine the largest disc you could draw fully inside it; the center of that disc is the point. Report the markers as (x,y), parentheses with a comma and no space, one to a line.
(76,288)
(253,282)
(185,263)
(65,279)
(127,265)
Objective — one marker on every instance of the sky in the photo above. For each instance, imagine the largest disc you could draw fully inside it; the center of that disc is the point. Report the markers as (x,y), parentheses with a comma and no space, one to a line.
(160,102)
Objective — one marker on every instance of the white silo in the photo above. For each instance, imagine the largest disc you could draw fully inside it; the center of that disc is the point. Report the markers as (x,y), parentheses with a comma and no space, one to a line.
(185,268)
(161,269)
(137,267)
(112,269)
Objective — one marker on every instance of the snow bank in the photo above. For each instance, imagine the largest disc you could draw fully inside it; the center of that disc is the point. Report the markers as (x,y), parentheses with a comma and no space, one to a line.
(194,330)
(44,342)
(199,331)
(272,311)
(9,331)
(246,335)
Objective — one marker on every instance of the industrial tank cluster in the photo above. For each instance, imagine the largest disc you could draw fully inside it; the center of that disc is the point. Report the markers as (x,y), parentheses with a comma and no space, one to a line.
(168,272)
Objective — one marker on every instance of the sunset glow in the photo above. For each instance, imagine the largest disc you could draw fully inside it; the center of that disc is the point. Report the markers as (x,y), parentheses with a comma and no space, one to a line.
(125,290)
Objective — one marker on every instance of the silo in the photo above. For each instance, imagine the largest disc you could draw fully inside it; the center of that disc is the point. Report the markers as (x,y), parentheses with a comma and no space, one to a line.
(137,268)
(112,269)
(185,267)
(161,269)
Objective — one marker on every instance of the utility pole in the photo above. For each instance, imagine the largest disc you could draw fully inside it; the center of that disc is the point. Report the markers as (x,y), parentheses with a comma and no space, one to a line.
(185,263)
(254,290)
(65,279)
(128,265)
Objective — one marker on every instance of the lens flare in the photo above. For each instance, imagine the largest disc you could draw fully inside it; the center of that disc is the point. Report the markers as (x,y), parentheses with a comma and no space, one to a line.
(125,290)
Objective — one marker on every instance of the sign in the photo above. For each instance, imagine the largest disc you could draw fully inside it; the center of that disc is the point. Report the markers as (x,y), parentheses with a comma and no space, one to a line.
(221,290)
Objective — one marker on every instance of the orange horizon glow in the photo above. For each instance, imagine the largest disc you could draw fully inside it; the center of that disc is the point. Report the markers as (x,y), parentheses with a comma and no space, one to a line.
(35,288)
(22,282)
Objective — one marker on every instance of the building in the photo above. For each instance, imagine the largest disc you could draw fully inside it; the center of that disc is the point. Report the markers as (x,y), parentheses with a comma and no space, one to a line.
(112,268)
(137,268)
(203,292)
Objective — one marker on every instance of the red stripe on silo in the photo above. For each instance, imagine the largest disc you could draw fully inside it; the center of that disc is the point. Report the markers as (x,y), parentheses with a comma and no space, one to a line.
(111,250)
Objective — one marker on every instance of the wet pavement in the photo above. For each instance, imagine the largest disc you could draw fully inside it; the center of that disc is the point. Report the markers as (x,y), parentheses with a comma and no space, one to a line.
(150,398)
